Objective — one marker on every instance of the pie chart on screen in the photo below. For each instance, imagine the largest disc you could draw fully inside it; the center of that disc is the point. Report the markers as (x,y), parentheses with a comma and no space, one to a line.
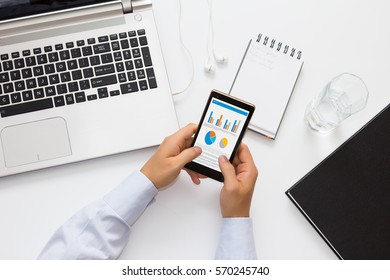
(223,143)
(210,137)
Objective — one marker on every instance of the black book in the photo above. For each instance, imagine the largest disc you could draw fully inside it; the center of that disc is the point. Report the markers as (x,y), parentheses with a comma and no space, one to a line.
(346,197)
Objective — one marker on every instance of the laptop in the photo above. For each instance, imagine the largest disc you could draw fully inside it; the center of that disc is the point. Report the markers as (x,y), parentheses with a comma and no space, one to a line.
(79,80)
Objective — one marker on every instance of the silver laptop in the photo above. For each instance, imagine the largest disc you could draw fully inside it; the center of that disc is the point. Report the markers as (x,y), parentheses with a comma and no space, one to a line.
(78,80)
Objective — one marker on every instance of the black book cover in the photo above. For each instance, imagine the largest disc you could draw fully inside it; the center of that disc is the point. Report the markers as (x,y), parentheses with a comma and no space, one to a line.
(347,196)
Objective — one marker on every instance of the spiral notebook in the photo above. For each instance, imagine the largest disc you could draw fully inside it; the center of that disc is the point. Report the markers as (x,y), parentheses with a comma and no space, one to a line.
(266,77)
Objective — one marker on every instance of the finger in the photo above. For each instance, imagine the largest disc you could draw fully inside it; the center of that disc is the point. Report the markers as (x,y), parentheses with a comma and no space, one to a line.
(177,142)
(189,142)
(228,171)
(195,174)
(183,136)
(244,154)
(186,132)
(194,179)
(236,160)
(187,155)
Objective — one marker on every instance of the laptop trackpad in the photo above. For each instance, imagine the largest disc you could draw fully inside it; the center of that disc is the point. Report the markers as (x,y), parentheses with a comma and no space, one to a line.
(35,141)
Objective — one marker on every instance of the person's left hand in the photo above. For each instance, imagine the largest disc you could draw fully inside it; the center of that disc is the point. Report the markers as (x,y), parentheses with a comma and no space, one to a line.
(174,152)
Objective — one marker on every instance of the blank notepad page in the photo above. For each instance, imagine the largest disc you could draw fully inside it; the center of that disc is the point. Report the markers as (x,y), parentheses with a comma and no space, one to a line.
(266,78)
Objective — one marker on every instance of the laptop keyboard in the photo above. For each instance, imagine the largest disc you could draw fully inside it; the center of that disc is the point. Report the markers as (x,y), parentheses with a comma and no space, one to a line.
(59,75)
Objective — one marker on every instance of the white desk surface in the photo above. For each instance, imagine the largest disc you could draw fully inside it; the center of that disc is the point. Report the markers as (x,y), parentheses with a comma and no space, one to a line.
(336,36)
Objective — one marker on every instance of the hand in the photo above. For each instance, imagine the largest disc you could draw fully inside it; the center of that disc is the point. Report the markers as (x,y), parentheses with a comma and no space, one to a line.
(240,179)
(174,152)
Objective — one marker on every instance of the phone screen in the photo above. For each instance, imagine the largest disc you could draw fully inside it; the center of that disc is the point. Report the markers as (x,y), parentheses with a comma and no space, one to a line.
(222,126)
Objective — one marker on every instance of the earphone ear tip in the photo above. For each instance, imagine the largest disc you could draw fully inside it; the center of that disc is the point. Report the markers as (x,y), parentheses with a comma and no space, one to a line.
(221,59)
(209,68)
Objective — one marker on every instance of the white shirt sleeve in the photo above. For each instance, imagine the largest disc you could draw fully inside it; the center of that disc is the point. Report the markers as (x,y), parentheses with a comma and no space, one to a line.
(101,230)
(236,240)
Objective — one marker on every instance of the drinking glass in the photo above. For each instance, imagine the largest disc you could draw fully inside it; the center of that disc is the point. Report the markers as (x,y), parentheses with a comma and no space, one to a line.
(343,96)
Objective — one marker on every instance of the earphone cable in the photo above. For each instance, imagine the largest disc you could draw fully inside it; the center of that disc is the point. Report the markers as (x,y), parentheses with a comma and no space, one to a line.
(187,51)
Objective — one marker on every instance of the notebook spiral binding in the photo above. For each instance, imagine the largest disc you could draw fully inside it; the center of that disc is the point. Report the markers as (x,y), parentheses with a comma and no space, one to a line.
(279,46)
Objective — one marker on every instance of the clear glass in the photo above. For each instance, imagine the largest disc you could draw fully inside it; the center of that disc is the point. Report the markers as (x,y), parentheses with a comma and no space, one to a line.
(342,97)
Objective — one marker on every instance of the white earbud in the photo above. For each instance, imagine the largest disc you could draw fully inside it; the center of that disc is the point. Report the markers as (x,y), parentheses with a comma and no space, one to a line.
(220,58)
(209,68)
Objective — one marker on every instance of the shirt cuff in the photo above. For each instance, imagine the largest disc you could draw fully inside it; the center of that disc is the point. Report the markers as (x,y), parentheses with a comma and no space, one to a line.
(236,240)
(130,199)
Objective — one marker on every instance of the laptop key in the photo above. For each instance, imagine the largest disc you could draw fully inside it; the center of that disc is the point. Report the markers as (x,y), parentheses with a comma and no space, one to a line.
(103,92)
(53,57)
(8,88)
(4,77)
(27,107)
(129,88)
(80,43)
(50,91)
(59,101)
(8,66)
(62,89)
(84,84)
(101,48)
(27,95)
(37,50)
(87,50)
(16,97)
(31,61)
(114,93)
(138,63)
(73,86)
(39,93)
(69,45)
(106,58)
(42,59)
(38,71)
(19,63)
(92,97)
(4,100)
(69,99)
(76,53)
(143,85)
(146,55)
(104,70)
(102,39)
(143,41)
(80,97)
(15,75)
(134,42)
(151,78)
(104,81)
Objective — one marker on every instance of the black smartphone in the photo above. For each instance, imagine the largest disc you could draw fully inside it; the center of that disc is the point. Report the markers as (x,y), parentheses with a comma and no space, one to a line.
(221,129)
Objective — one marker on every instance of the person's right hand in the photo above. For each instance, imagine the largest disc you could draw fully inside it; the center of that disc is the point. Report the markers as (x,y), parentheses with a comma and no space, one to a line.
(240,179)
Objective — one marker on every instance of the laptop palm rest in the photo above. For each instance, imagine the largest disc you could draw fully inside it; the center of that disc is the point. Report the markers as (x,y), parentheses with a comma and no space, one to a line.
(35,141)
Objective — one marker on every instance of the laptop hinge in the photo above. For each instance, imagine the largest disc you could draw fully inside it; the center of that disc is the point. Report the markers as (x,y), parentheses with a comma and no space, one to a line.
(139,5)
(126,6)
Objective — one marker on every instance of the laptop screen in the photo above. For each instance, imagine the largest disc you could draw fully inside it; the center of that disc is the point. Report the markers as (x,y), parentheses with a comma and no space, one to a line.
(10,9)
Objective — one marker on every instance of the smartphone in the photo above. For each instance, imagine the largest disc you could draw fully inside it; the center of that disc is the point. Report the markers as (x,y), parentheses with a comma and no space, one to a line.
(221,129)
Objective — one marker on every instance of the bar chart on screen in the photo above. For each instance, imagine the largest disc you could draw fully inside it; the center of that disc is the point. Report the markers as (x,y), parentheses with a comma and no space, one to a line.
(227,124)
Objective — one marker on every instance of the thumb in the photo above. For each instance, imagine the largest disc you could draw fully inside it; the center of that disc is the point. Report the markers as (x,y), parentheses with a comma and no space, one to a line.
(188,155)
(228,171)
